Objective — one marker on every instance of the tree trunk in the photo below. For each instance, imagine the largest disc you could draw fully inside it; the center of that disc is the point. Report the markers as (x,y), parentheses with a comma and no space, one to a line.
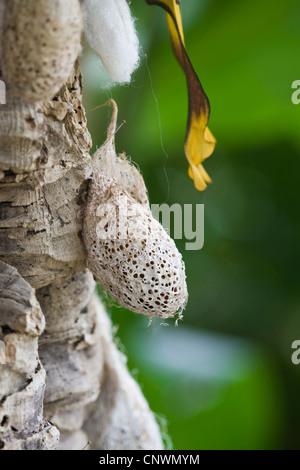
(61,362)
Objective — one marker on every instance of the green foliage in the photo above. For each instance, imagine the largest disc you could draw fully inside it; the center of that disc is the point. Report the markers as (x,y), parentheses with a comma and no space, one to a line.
(243,283)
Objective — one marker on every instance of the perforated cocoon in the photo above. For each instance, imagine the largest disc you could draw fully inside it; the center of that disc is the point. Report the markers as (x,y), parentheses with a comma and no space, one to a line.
(110,31)
(128,251)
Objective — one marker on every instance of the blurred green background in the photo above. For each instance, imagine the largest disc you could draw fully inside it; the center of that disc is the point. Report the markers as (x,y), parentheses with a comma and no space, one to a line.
(224,378)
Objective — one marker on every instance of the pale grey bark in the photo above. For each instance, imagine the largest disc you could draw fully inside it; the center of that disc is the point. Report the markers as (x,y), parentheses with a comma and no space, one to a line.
(68,372)
(22,378)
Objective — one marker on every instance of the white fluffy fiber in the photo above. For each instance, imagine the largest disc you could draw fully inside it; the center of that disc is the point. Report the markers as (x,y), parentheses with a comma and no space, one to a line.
(109,29)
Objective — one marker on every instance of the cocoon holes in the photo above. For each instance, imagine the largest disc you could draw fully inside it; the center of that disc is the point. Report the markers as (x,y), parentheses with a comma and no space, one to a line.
(128,251)
(110,31)
(40,43)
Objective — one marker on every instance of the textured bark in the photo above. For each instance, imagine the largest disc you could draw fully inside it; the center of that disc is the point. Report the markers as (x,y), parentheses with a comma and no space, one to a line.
(125,417)
(72,339)
(68,372)
(45,164)
(22,378)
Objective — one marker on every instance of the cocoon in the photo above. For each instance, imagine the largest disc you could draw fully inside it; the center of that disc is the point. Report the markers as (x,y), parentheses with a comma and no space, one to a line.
(127,249)
(110,31)
(40,43)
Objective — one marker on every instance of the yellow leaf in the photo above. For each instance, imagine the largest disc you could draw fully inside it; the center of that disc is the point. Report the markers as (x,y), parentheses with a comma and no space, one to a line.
(199,141)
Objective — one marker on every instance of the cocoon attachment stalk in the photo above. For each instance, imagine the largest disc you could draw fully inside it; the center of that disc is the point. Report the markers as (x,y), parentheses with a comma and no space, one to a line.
(128,251)
(40,43)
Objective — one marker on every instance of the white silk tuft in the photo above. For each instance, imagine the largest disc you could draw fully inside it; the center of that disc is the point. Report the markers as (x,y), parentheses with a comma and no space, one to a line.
(110,31)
